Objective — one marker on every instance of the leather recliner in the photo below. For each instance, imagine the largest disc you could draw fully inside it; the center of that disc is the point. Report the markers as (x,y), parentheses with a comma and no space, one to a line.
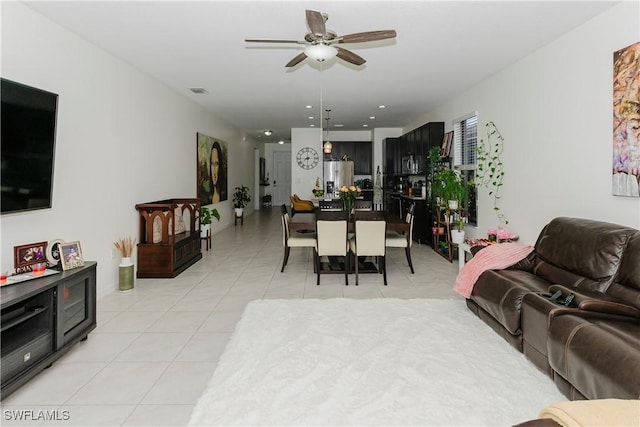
(597,262)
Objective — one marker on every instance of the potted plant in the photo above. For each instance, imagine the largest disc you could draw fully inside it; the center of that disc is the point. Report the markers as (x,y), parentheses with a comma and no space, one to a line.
(241,199)
(125,246)
(457,234)
(449,187)
(205,219)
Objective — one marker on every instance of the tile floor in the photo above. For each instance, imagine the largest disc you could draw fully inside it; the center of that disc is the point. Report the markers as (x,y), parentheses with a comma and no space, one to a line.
(156,347)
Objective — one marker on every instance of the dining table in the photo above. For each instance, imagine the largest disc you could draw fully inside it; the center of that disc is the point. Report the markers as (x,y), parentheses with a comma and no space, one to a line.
(302,222)
(306,223)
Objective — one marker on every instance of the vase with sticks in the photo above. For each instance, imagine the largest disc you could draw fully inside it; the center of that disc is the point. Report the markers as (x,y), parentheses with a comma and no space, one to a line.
(125,247)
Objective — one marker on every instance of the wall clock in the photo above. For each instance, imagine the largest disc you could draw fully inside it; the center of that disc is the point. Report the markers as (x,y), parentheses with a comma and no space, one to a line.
(307,158)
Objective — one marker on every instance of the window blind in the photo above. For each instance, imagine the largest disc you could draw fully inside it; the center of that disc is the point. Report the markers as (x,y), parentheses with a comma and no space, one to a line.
(465,141)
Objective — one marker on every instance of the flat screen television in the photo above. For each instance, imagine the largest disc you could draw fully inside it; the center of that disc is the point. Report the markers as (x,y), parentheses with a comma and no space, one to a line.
(28,131)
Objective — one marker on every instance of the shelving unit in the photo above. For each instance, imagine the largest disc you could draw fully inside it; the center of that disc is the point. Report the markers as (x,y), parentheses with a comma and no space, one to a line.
(445,218)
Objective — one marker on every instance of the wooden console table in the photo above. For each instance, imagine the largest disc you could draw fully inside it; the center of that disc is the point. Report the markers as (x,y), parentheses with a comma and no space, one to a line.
(42,319)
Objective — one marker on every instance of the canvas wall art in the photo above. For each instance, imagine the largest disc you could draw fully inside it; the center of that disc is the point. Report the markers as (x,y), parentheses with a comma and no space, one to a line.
(626,121)
(211,169)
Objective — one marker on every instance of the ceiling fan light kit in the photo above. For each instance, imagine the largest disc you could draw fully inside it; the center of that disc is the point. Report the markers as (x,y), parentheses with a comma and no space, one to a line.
(319,41)
(320,52)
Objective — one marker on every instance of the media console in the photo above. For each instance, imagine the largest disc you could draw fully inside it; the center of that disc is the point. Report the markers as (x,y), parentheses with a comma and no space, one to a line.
(41,319)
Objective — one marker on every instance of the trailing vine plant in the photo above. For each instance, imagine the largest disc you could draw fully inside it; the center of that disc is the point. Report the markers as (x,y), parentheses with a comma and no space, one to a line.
(490,170)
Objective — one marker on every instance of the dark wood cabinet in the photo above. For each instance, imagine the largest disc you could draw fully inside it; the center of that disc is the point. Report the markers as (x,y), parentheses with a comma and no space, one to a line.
(413,145)
(362,158)
(41,319)
(359,152)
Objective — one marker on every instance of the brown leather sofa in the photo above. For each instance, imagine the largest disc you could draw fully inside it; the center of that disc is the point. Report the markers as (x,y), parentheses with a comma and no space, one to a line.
(590,346)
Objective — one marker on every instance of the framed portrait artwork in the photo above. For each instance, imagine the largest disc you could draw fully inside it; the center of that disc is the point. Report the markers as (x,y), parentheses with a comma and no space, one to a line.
(25,256)
(70,255)
(211,169)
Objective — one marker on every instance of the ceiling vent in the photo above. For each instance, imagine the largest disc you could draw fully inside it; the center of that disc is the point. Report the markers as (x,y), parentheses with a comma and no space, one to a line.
(198,90)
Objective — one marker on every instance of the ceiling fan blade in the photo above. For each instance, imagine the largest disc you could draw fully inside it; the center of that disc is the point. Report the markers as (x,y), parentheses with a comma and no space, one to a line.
(273,41)
(315,21)
(295,61)
(349,56)
(368,36)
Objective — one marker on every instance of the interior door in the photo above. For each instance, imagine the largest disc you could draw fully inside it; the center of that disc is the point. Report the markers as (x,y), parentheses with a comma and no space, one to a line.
(281,179)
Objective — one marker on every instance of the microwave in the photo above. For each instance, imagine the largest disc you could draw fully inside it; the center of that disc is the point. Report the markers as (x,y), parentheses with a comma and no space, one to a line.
(409,165)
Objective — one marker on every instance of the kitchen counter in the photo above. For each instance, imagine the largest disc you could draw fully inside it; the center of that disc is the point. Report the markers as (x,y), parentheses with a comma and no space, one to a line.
(404,195)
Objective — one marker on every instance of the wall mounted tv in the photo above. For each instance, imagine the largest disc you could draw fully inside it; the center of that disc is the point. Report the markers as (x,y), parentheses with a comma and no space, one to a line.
(28,130)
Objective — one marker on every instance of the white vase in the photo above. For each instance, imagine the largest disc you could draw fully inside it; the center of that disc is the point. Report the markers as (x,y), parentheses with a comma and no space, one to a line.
(457,237)
(125,275)
(453,204)
(239,212)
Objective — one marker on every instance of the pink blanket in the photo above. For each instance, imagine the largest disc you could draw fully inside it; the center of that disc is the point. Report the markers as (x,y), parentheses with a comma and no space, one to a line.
(493,257)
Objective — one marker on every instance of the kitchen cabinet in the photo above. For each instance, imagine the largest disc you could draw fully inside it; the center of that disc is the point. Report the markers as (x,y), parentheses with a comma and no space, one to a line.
(362,158)
(359,152)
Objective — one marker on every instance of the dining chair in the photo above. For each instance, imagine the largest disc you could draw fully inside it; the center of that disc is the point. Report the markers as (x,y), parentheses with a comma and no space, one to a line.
(397,240)
(330,205)
(307,240)
(369,240)
(363,205)
(300,205)
(331,240)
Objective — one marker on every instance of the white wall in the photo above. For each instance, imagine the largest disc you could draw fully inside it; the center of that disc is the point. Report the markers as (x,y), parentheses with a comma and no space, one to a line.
(554,110)
(122,138)
(303,180)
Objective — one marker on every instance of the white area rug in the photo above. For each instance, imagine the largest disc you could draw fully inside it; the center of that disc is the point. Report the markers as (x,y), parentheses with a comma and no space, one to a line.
(370,362)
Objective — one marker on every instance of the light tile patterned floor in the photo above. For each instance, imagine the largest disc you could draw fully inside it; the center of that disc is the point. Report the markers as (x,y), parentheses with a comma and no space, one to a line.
(155,348)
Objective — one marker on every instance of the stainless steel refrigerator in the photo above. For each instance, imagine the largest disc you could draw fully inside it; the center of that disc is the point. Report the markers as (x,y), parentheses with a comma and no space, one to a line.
(337,174)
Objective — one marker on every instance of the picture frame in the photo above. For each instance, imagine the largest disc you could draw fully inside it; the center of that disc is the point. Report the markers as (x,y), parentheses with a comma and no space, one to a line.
(53,252)
(25,256)
(447,141)
(71,255)
(263,169)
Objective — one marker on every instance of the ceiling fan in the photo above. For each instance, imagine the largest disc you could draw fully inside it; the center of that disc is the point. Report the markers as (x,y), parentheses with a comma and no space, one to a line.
(320,41)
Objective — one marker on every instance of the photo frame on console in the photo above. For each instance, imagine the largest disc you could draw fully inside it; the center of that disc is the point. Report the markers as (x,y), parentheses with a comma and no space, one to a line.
(71,255)
(25,256)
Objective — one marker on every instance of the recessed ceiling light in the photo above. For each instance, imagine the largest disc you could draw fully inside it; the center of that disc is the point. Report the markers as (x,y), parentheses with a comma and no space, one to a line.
(372,117)
(338,125)
(365,126)
(382,106)
(268,132)
(308,106)
(312,125)
(198,90)
(281,142)
(311,117)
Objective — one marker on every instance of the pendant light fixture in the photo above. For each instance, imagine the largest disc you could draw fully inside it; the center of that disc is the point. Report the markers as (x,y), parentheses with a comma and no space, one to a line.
(328,146)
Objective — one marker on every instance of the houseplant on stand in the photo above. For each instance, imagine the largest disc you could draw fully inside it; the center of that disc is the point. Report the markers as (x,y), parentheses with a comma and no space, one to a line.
(205,219)
(125,247)
(241,199)
(457,234)
(449,187)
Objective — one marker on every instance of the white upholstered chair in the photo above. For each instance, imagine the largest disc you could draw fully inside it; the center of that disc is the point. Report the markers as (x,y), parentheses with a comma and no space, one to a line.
(299,240)
(369,240)
(397,240)
(331,240)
